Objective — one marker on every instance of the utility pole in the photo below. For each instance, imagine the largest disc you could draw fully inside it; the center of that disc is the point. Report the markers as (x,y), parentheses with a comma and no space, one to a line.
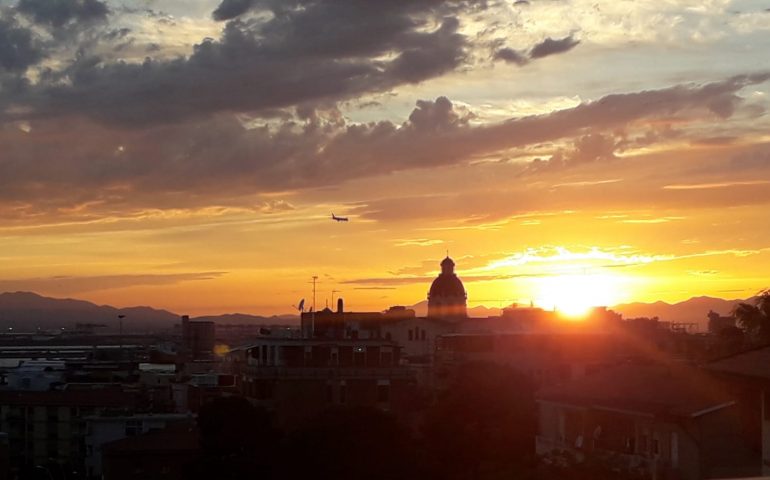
(120,335)
(315,279)
(312,315)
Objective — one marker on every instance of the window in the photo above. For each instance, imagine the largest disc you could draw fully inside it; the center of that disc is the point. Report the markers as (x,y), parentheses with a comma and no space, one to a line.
(383,393)
(630,444)
(422,335)
(411,335)
(133,427)
(655,446)
(386,359)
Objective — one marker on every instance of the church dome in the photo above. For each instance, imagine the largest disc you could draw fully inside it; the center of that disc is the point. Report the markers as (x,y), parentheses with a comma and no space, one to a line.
(447,297)
(446,286)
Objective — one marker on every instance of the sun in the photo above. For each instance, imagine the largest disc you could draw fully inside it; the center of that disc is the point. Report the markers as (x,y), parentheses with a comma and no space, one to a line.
(573,295)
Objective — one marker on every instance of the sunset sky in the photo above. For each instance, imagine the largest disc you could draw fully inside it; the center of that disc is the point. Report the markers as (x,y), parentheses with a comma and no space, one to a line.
(188,154)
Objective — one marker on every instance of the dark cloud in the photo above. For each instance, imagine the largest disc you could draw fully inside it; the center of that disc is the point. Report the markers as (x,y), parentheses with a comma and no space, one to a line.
(218,161)
(230,9)
(435,116)
(511,56)
(323,52)
(592,147)
(384,282)
(58,13)
(18,47)
(550,46)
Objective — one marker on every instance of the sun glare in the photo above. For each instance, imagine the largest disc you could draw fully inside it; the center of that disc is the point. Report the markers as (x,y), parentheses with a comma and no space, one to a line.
(574,295)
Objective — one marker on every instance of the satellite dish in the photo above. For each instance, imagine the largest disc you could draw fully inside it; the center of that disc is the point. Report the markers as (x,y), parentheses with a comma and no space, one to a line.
(301,306)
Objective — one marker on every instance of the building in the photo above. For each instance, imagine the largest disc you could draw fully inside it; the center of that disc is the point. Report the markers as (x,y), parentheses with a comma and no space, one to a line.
(447,298)
(748,374)
(659,421)
(103,429)
(198,339)
(297,378)
(156,455)
(39,375)
(546,357)
(717,323)
(50,428)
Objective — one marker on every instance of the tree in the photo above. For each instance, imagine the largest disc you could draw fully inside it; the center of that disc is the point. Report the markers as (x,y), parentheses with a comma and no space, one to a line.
(237,441)
(351,444)
(482,425)
(754,317)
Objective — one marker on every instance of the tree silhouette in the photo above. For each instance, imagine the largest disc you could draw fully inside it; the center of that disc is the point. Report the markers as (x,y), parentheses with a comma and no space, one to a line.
(482,425)
(754,317)
(351,444)
(237,441)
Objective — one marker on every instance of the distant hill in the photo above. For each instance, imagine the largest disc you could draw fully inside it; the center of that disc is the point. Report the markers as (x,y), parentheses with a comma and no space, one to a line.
(693,310)
(421,310)
(27,311)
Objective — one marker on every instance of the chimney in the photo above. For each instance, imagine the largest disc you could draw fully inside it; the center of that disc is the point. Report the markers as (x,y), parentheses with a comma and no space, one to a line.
(339,305)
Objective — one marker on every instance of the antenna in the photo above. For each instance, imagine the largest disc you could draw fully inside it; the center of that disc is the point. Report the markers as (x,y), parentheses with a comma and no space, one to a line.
(315,279)
(312,309)
(333,292)
(300,306)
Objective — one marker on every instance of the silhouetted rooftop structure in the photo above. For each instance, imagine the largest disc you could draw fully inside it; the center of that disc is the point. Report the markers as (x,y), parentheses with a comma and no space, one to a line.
(447,297)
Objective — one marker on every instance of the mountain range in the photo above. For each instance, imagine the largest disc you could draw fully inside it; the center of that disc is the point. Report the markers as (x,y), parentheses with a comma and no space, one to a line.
(27,311)
(694,310)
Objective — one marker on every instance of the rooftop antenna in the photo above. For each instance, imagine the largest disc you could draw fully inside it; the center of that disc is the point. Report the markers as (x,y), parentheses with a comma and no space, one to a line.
(333,292)
(312,311)
(315,280)
(300,306)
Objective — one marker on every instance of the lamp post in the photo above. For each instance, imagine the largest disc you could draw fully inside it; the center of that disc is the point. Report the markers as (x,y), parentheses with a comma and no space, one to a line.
(120,335)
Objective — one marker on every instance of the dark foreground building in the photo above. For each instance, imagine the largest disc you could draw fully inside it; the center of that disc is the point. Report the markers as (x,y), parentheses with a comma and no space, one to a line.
(659,421)
(158,455)
(297,378)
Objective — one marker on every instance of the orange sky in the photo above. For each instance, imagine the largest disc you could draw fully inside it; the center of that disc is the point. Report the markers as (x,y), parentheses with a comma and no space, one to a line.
(602,156)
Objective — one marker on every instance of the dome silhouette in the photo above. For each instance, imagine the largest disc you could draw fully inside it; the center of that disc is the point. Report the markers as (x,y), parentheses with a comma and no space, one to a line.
(447,297)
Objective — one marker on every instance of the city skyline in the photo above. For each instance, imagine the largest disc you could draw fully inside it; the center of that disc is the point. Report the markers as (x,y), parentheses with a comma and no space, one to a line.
(189,155)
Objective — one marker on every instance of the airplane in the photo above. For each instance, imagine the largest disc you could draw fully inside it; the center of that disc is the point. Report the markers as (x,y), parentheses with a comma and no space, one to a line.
(339,219)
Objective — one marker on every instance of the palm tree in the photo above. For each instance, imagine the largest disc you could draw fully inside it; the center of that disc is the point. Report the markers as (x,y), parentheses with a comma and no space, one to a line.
(754,317)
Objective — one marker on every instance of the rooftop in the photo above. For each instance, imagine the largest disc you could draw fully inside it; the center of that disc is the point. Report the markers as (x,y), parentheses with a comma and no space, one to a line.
(753,364)
(182,436)
(651,390)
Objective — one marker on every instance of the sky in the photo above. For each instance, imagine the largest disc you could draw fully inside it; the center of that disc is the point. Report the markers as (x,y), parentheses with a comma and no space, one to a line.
(188,154)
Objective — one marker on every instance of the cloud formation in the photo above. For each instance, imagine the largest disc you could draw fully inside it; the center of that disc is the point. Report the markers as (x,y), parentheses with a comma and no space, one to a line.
(322,52)
(68,285)
(18,47)
(161,166)
(58,13)
(550,46)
